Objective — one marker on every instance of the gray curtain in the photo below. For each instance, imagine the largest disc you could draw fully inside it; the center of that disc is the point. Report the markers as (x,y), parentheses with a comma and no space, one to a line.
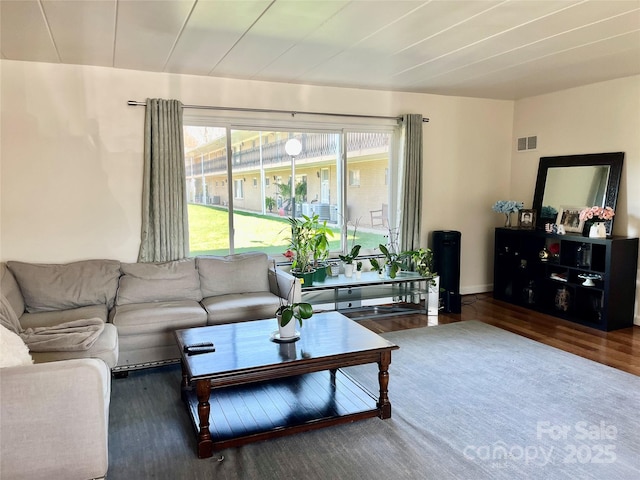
(410,200)
(165,231)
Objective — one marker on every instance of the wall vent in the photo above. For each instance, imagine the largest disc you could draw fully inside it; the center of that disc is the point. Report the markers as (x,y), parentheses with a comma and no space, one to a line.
(527,143)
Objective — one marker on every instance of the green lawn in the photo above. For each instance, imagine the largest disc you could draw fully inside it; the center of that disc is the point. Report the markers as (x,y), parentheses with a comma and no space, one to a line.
(208,232)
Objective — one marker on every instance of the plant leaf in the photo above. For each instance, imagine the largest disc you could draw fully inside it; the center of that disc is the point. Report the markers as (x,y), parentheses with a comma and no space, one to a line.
(305,310)
(287,315)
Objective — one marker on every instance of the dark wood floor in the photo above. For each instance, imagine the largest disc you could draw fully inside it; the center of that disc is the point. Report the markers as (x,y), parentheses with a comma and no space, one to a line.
(619,349)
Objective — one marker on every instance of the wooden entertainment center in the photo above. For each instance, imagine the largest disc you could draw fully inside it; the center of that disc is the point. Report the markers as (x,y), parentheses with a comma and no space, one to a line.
(558,281)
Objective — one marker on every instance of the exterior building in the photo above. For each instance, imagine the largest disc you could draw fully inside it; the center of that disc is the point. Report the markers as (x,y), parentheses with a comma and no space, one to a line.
(262,172)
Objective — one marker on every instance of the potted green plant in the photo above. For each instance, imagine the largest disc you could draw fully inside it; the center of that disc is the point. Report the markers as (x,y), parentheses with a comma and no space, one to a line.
(269,202)
(376,265)
(301,245)
(349,257)
(394,262)
(287,311)
(320,247)
(358,269)
(422,260)
(348,260)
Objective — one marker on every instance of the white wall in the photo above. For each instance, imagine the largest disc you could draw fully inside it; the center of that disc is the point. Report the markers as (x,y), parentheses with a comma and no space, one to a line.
(71,156)
(602,117)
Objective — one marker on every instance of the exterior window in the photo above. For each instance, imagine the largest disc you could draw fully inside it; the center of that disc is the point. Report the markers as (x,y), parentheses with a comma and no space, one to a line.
(238,189)
(311,183)
(354,178)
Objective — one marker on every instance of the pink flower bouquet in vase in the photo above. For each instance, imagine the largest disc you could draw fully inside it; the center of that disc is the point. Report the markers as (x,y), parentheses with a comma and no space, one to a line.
(594,219)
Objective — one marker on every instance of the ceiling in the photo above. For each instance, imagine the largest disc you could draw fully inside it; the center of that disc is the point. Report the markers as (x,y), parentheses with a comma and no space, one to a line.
(480,48)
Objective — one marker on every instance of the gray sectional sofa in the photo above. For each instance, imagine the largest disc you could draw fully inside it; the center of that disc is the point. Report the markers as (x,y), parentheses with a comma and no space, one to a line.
(143,303)
(58,407)
(153,300)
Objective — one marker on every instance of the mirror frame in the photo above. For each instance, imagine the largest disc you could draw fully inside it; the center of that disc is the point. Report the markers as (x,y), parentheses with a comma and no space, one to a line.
(613,159)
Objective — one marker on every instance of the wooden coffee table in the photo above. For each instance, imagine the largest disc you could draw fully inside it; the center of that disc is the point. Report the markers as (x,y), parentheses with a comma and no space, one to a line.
(253,388)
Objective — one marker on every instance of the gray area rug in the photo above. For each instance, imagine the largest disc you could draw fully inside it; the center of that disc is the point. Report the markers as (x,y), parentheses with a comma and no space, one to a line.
(470,401)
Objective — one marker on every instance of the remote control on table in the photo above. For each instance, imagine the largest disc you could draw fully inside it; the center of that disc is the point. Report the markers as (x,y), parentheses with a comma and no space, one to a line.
(204,347)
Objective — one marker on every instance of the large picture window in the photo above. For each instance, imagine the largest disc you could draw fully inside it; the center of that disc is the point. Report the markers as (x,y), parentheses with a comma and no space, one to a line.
(316,181)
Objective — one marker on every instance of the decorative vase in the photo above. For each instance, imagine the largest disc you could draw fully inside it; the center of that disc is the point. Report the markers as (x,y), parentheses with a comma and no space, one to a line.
(289,330)
(507,221)
(598,230)
(529,293)
(563,299)
(335,269)
(348,270)
(358,274)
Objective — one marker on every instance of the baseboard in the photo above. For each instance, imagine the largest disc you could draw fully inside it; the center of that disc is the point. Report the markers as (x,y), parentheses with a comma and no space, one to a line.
(473,289)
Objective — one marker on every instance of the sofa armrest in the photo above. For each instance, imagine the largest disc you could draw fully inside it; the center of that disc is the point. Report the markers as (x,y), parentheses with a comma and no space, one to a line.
(283,287)
(54,420)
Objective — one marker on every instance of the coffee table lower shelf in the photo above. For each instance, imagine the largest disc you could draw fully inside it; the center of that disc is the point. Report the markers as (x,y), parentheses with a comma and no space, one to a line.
(263,410)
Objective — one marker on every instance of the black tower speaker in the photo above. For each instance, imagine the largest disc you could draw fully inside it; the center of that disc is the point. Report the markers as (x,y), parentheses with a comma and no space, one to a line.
(446,262)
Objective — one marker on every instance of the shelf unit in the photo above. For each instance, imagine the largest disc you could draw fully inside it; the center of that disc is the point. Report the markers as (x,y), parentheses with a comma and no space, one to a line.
(551,282)
(348,294)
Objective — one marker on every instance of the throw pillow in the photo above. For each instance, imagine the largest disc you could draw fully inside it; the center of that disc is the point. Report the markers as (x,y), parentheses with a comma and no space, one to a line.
(49,287)
(158,282)
(13,351)
(239,273)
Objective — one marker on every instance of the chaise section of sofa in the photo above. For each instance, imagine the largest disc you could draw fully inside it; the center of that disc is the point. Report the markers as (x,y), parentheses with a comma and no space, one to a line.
(153,300)
(47,295)
(54,420)
(242,287)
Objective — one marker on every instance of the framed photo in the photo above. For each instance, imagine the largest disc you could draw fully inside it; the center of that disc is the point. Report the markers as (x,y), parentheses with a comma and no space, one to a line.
(569,218)
(527,219)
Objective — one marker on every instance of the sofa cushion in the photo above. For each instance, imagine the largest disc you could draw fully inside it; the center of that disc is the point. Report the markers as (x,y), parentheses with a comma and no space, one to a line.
(105,348)
(240,307)
(50,319)
(13,351)
(11,290)
(159,282)
(47,287)
(142,318)
(239,273)
(8,318)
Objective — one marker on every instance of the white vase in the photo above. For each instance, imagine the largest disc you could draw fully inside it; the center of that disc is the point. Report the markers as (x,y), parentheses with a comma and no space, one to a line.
(358,274)
(598,230)
(348,270)
(289,330)
(433,297)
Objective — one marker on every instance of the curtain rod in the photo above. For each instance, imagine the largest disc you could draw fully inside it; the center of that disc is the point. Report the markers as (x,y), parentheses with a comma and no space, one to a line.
(135,103)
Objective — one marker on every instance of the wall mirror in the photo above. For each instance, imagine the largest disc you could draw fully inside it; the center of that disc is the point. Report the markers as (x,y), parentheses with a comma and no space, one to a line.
(576,181)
